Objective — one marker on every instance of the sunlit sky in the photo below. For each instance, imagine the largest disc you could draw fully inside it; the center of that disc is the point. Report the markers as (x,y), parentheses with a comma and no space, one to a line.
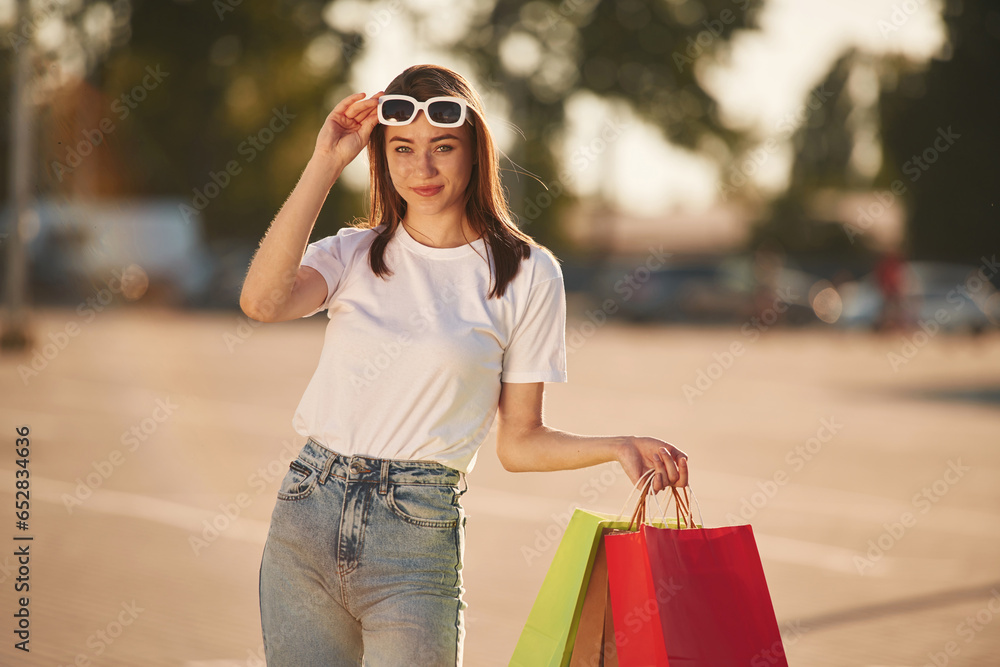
(771,73)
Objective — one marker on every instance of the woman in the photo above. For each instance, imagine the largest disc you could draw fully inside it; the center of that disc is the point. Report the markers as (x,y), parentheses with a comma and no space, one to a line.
(443,316)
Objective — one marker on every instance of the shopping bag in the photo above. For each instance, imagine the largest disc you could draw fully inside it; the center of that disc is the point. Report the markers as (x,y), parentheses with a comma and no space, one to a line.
(548,638)
(550,629)
(594,645)
(632,591)
(549,634)
(690,596)
(722,613)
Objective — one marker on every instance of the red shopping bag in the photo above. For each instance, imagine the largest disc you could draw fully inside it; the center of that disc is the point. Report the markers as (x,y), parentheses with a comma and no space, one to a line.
(690,597)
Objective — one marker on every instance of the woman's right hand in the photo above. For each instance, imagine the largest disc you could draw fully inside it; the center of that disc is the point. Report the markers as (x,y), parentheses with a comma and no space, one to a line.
(347,129)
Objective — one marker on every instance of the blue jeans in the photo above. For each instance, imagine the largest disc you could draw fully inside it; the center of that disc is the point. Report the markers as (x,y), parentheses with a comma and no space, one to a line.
(363,563)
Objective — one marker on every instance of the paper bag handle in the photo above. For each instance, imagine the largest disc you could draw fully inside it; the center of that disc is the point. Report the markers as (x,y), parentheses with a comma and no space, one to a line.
(682,504)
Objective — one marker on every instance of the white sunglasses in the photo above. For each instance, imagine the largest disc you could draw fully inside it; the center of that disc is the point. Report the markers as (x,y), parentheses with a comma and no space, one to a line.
(440,111)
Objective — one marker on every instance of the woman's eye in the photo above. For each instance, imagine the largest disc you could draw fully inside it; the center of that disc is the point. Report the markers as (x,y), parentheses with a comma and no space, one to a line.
(441,149)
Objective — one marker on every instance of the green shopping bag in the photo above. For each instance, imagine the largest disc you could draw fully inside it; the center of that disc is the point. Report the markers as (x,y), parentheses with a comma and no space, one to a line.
(550,631)
(548,634)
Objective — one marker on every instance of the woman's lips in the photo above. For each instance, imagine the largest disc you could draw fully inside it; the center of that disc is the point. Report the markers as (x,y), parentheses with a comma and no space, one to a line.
(428,192)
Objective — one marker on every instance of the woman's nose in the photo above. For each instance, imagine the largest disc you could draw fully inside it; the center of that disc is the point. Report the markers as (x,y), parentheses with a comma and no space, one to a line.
(425,165)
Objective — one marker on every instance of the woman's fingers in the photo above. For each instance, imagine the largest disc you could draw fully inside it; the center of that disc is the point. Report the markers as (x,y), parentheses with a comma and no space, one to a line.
(682,467)
(661,478)
(671,466)
(345,104)
(672,475)
(361,109)
(668,463)
(348,111)
(366,113)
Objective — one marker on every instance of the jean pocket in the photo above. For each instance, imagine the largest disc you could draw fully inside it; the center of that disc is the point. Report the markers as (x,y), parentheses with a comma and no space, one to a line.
(299,481)
(428,505)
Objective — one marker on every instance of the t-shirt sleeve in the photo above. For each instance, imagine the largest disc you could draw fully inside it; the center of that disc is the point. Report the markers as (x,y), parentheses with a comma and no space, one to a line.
(327,257)
(537,348)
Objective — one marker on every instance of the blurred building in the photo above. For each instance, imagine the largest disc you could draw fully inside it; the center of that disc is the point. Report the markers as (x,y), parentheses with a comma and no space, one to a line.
(877,217)
(720,229)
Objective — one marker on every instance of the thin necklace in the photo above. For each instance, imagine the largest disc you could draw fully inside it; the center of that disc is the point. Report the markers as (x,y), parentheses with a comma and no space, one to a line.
(407,227)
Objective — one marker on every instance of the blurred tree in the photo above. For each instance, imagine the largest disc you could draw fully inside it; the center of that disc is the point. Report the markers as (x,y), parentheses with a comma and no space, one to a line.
(228,65)
(249,87)
(937,139)
(216,102)
(823,146)
(645,54)
(942,141)
(67,40)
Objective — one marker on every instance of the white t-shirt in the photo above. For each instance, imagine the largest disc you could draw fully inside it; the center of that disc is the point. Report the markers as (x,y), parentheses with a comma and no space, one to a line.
(411,365)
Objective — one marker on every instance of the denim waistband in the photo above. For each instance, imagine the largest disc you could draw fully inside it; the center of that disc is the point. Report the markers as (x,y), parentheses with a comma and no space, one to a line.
(357,468)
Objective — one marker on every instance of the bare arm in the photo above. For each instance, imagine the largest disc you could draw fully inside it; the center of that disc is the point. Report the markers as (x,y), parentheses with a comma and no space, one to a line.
(277,287)
(526,444)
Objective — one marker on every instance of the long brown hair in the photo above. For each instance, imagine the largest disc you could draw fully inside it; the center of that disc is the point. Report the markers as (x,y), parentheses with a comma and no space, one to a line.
(486,205)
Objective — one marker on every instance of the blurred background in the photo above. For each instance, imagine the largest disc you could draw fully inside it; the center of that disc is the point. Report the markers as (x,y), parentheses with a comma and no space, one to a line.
(774,217)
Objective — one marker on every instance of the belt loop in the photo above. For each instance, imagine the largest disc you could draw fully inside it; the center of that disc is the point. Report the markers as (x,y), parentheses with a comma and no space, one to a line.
(463,481)
(331,458)
(383,483)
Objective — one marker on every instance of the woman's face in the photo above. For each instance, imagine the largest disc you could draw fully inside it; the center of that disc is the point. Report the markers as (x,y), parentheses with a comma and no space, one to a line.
(429,166)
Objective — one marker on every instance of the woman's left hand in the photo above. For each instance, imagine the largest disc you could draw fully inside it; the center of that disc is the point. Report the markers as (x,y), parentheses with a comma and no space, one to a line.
(638,454)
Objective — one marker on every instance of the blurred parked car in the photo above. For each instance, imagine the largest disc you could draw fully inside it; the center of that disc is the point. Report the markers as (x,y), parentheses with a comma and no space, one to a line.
(701,290)
(953,295)
(76,248)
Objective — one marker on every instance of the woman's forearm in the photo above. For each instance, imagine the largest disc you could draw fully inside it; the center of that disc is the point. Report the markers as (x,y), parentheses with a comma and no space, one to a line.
(546,449)
(272,272)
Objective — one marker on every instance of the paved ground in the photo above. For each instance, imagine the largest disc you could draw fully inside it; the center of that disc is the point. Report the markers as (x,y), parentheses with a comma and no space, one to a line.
(862,568)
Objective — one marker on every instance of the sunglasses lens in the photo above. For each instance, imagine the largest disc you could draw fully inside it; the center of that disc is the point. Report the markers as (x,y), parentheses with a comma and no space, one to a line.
(398,111)
(447,113)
